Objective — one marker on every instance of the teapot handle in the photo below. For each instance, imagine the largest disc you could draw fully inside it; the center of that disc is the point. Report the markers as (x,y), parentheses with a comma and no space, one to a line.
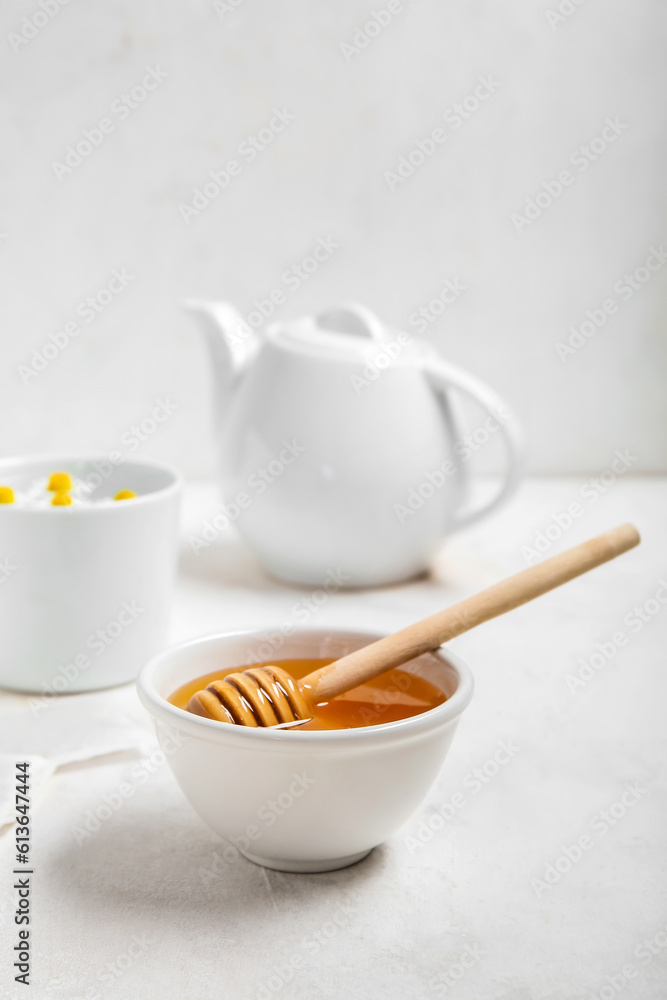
(443,375)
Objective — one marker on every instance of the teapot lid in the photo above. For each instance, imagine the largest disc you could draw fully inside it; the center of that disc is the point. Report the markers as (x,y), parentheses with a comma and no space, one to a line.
(349,329)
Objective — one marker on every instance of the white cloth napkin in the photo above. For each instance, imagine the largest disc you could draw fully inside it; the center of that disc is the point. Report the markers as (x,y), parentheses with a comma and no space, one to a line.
(64,729)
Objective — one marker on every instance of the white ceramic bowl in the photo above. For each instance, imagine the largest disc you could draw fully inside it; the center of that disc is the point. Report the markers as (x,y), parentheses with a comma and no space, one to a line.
(307,801)
(84,601)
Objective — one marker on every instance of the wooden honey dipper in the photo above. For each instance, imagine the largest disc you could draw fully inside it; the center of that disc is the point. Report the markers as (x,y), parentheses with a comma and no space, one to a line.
(269,696)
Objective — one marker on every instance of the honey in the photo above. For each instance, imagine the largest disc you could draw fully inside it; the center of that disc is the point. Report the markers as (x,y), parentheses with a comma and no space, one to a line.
(394,695)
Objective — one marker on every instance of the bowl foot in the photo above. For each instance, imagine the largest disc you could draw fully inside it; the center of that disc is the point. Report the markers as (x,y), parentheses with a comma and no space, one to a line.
(326,865)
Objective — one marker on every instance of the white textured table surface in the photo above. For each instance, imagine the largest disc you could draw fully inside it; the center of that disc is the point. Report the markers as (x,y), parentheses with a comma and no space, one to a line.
(476,896)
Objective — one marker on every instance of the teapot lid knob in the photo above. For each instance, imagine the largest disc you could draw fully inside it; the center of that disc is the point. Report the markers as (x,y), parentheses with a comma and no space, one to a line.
(354,319)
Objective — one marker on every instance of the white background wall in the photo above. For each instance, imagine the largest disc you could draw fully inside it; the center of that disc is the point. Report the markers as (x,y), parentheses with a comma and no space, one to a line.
(226,71)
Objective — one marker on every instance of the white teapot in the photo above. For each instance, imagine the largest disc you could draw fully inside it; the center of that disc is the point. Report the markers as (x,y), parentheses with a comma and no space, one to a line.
(342,457)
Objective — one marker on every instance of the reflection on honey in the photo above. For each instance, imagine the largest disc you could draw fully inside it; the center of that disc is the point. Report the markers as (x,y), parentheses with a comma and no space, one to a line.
(393,695)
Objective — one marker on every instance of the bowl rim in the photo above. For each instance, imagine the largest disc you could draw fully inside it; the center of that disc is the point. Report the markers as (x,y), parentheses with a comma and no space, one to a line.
(63,458)
(209,729)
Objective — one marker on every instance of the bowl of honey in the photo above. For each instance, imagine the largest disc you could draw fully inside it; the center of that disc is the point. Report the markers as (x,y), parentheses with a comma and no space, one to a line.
(321,795)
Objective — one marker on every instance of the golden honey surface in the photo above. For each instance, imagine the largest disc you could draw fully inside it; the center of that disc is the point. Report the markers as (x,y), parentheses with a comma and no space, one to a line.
(394,695)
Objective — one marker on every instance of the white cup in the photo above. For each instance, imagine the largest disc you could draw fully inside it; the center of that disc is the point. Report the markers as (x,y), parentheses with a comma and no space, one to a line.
(85,590)
(300,801)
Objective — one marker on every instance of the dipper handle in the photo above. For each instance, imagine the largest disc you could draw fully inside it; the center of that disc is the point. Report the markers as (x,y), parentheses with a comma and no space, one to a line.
(428,634)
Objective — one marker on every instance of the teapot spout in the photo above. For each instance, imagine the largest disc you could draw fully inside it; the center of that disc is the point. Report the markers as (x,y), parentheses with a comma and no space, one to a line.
(232,345)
